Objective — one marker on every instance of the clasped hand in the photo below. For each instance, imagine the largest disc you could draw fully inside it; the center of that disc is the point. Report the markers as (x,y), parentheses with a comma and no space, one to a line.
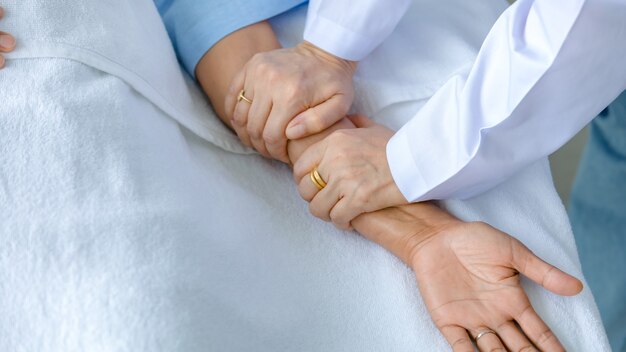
(353,164)
(289,94)
(468,273)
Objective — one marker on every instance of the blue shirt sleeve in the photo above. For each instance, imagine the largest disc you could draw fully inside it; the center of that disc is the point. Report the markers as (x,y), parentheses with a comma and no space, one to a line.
(194,26)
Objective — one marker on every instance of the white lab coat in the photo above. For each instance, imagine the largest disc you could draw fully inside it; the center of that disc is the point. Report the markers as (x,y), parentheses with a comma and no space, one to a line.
(545,70)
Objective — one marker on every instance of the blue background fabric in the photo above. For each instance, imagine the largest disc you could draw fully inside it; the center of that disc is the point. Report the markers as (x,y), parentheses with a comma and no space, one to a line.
(598,215)
(194,26)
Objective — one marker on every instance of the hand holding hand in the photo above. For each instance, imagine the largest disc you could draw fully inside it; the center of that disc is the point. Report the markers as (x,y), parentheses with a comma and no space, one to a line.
(7,42)
(353,168)
(288,94)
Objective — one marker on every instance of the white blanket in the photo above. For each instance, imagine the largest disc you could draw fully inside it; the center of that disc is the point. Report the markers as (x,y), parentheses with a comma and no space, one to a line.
(132,220)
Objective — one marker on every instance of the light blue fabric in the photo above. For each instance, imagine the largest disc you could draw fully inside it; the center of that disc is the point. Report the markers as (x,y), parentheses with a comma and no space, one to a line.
(194,26)
(598,215)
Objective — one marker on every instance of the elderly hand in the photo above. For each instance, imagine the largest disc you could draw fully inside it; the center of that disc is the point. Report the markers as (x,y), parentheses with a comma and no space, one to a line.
(288,94)
(7,42)
(352,164)
(469,277)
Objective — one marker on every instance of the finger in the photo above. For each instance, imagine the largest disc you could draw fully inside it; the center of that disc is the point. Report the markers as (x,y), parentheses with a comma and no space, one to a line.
(318,118)
(307,188)
(458,338)
(537,331)
(488,342)
(1,12)
(2,62)
(513,337)
(343,213)
(543,273)
(274,132)
(310,159)
(324,200)
(257,116)
(235,87)
(361,121)
(7,42)
(241,128)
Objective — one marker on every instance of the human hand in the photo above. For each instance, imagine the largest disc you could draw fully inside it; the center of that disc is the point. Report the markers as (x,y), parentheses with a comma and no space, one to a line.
(291,94)
(469,277)
(7,42)
(353,165)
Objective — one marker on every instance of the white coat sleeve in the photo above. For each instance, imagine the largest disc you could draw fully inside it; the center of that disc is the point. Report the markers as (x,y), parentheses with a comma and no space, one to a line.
(352,29)
(545,70)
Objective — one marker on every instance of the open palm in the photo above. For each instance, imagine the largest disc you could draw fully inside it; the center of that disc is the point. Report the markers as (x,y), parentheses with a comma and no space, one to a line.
(469,277)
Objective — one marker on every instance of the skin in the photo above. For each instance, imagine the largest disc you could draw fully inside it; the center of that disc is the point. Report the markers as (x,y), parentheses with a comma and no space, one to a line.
(360,181)
(354,164)
(295,92)
(465,290)
(301,91)
(7,42)
(468,273)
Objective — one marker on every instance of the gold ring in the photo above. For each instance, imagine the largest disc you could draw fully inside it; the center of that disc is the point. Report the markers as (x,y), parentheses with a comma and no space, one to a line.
(242,96)
(317,179)
(483,333)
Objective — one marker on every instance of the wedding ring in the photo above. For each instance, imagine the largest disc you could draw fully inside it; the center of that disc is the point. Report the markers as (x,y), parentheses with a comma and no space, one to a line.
(317,179)
(483,333)
(242,96)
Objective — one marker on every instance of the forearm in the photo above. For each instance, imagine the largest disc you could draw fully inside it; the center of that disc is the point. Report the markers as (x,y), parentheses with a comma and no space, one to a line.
(215,72)
(543,72)
(388,227)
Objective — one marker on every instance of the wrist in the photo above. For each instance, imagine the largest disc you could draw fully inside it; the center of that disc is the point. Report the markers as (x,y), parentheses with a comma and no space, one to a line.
(404,230)
(220,64)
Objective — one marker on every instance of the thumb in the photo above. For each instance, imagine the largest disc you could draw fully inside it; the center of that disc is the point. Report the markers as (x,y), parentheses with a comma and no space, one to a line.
(361,121)
(318,118)
(546,275)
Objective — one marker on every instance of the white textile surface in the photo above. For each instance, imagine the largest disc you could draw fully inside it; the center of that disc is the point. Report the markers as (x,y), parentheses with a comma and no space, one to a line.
(132,220)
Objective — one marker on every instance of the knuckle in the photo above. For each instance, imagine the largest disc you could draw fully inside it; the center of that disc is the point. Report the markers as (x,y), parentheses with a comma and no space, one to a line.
(315,211)
(239,117)
(272,138)
(292,91)
(254,131)
(262,67)
(527,309)
(337,218)
(343,177)
(545,337)
(362,198)
(461,343)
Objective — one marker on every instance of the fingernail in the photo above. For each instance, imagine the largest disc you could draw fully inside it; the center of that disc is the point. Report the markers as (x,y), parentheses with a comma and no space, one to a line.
(7,41)
(296,131)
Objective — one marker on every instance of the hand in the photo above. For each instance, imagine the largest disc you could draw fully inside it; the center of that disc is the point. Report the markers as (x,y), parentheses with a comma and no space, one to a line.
(353,163)
(294,92)
(469,277)
(7,42)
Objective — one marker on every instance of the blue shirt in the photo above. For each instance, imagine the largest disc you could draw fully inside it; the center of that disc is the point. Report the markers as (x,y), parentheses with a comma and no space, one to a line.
(194,26)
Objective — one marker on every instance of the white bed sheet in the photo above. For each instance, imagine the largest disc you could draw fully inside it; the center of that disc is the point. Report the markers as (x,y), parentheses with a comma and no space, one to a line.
(132,220)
